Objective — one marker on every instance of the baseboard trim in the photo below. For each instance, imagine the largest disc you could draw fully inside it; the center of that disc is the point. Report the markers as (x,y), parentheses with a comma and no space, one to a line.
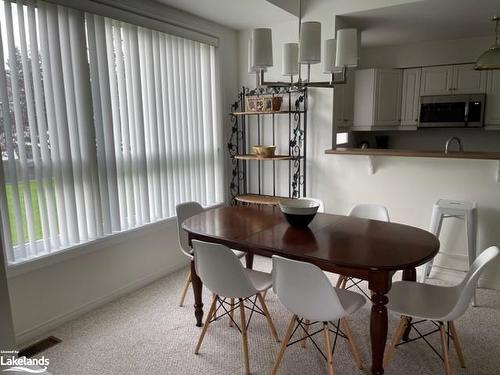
(28,335)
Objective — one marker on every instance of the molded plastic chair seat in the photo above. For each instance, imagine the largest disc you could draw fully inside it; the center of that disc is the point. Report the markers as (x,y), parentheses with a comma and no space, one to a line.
(351,301)
(440,304)
(184,211)
(222,272)
(306,292)
(423,301)
(368,211)
(262,281)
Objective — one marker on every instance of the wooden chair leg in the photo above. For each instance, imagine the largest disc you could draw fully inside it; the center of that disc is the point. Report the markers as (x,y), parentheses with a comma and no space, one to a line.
(305,333)
(185,289)
(340,280)
(244,338)
(444,346)
(210,314)
(344,282)
(264,293)
(215,312)
(231,312)
(284,343)
(328,347)
(396,338)
(268,317)
(352,343)
(456,344)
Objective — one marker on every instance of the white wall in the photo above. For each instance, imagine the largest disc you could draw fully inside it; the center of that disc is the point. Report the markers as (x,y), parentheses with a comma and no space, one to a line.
(48,296)
(407,186)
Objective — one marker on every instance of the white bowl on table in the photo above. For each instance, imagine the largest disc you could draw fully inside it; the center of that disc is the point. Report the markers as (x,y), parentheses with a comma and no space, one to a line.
(299,212)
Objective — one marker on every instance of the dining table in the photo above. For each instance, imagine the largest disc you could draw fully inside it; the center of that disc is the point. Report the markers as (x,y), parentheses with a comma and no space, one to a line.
(360,248)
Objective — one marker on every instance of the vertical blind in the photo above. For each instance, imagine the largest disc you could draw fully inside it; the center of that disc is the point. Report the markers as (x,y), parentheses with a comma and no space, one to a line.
(105,126)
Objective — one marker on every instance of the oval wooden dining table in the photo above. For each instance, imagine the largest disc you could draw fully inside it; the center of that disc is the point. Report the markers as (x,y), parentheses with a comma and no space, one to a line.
(365,249)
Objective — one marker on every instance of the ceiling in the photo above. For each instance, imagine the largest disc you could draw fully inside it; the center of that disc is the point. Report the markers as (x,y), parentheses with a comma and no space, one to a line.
(426,20)
(383,22)
(247,14)
(235,14)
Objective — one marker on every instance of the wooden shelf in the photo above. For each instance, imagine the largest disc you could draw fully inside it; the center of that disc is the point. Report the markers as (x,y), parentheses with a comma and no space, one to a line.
(417,153)
(255,157)
(264,113)
(269,200)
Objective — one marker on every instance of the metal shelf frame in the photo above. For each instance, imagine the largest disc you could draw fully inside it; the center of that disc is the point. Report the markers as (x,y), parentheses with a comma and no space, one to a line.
(238,144)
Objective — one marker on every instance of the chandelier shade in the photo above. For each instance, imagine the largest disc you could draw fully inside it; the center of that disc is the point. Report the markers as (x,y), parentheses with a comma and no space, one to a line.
(347,48)
(310,43)
(290,63)
(490,59)
(262,48)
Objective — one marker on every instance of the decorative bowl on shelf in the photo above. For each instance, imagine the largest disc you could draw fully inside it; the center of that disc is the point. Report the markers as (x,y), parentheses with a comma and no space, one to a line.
(299,212)
(264,151)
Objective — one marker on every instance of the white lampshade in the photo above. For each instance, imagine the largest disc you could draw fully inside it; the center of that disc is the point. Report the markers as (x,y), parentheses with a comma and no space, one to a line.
(251,68)
(330,53)
(347,48)
(310,43)
(290,63)
(262,48)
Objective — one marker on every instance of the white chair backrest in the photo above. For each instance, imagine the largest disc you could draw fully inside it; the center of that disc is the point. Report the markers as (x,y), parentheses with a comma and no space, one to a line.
(305,290)
(465,290)
(221,271)
(370,211)
(319,201)
(185,211)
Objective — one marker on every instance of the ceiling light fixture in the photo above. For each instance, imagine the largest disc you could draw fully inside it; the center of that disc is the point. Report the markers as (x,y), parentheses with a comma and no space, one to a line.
(490,59)
(341,54)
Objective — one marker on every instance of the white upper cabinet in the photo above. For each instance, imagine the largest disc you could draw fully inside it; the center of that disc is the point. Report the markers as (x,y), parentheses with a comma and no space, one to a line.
(377,98)
(437,80)
(452,79)
(469,81)
(492,110)
(410,97)
(343,103)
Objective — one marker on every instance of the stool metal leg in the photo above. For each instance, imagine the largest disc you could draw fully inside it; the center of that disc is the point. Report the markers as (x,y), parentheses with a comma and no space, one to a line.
(435,228)
(471,236)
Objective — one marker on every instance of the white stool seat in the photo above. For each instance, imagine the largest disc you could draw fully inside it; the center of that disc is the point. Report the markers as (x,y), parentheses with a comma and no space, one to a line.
(453,205)
(445,208)
(262,281)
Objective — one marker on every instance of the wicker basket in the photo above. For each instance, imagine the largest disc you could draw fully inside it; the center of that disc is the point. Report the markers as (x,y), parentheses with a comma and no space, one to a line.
(263,103)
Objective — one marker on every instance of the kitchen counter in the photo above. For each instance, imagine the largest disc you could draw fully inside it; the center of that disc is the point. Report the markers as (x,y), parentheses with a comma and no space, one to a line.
(416,153)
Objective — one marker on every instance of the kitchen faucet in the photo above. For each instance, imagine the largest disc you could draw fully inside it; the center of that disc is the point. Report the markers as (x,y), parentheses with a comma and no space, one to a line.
(449,141)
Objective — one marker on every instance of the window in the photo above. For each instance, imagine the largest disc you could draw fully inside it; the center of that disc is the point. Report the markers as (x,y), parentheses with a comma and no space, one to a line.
(105,126)
(342,138)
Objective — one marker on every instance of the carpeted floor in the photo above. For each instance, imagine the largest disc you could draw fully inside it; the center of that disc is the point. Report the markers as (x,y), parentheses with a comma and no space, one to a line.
(147,332)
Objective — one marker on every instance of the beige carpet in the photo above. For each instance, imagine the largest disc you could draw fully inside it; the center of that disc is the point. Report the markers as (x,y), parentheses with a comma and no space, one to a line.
(147,333)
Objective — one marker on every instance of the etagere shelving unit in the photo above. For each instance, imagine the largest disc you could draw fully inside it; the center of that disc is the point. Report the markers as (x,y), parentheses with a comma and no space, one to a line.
(244,123)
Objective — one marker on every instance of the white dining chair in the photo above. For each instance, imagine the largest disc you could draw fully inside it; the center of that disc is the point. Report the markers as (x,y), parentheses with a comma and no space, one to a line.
(321,208)
(223,274)
(306,292)
(185,211)
(364,211)
(439,304)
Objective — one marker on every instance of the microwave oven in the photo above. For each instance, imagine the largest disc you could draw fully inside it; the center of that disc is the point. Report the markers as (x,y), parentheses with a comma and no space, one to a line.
(452,111)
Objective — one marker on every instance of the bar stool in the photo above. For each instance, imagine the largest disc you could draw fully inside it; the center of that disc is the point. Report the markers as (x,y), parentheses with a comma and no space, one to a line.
(445,208)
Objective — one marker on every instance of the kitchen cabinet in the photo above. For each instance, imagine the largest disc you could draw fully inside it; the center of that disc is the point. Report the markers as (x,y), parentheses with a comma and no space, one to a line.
(452,79)
(343,103)
(377,98)
(410,97)
(492,110)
